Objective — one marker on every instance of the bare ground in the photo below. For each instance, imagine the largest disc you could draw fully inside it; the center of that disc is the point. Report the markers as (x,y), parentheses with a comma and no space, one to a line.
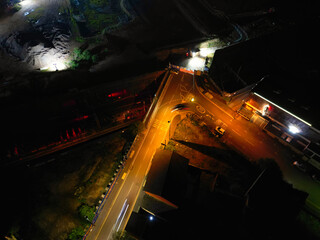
(60,187)
(187,131)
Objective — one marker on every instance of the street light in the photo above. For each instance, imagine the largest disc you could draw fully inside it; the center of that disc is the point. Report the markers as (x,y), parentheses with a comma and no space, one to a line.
(25,3)
(294,129)
(204,52)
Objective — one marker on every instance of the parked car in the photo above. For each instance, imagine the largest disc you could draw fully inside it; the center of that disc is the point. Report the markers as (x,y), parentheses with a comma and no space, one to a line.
(219,131)
(300,166)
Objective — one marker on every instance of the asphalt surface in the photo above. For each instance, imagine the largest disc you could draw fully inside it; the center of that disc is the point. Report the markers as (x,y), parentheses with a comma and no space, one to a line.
(120,202)
(241,135)
(249,139)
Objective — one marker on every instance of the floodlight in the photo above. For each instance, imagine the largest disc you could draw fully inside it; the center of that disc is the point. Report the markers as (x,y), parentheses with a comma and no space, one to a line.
(204,52)
(294,129)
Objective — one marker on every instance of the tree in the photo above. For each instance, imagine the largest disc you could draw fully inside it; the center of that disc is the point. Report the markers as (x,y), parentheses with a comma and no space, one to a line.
(87,212)
(76,233)
(79,56)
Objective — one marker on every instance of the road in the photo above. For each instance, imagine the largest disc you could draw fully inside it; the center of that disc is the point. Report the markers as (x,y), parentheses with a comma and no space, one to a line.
(249,139)
(240,135)
(119,204)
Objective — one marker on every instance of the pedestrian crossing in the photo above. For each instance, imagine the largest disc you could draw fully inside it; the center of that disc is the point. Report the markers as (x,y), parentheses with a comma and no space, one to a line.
(160,125)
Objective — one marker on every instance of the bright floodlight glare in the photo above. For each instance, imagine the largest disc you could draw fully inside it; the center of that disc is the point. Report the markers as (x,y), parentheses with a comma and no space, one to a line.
(196,63)
(25,3)
(192,99)
(204,52)
(294,129)
(309,124)
(58,66)
(150,217)
(50,62)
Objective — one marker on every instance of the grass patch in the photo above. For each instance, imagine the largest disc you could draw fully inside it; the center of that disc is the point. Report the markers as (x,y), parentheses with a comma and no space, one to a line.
(81,57)
(189,130)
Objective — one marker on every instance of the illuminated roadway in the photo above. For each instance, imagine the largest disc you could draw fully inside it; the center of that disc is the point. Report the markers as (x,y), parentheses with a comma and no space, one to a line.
(122,198)
(241,135)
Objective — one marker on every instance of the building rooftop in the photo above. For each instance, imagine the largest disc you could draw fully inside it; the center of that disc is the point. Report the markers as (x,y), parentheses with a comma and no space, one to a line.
(287,57)
(167,176)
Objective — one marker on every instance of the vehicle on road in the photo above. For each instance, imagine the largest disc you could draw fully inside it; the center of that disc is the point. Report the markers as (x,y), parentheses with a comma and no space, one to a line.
(200,109)
(179,106)
(300,166)
(219,131)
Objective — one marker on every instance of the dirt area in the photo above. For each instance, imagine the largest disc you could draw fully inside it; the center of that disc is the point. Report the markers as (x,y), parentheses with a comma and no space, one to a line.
(56,190)
(188,131)
(195,141)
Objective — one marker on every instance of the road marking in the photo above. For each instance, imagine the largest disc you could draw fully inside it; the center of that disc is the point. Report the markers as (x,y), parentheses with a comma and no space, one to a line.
(244,138)
(140,165)
(221,109)
(236,132)
(124,175)
(144,183)
(120,189)
(155,111)
(249,142)
(160,125)
(136,198)
(200,109)
(104,221)
(131,154)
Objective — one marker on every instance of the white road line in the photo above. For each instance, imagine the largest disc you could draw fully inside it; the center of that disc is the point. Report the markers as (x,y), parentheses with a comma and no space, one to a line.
(236,132)
(249,142)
